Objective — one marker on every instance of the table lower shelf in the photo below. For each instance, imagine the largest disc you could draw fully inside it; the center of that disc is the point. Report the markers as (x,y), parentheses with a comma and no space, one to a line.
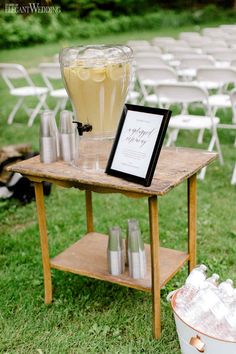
(88,257)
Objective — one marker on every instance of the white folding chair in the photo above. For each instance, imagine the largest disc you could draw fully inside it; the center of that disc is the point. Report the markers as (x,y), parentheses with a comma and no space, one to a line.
(213,32)
(224,58)
(229,28)
(198,42)
(176,46)
(189,64)
(150,76)
(12,72)
(221,77)
(216,44)
(233,63)
(145,50)
(160,41)
(51,73)
(186,93)
(150,60)
(189,35)
(142,42)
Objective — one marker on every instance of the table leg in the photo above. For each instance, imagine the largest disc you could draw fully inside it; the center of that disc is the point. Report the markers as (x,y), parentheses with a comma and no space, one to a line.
(44,242)
(192,221)
(89,211)
(155,269)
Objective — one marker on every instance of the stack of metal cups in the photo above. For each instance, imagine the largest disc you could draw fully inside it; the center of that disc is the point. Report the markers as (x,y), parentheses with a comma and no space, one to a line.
(115,252)
(48,141)
(67,137)
(136,250)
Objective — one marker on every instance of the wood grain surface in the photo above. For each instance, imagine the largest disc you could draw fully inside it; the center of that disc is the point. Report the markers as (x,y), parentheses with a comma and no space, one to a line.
(88,257)
(173,167)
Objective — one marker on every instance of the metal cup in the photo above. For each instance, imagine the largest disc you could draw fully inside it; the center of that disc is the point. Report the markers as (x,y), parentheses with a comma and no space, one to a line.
(136,251)
(49,144)
(115,252)
(67,137)
(48,149)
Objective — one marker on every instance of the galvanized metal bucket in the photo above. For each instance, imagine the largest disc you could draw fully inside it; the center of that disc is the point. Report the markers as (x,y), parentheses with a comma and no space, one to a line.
(193,341)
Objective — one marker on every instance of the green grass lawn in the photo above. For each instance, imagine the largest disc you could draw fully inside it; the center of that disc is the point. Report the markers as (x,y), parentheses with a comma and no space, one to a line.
(91,316)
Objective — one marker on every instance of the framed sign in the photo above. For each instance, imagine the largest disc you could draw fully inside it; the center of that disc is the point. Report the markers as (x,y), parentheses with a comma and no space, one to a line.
(138,143)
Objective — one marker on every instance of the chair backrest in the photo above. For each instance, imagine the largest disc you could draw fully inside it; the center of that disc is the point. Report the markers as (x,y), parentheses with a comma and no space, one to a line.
(181,93)
(214,32)
(216,44)
(50,72)
(152,50)
(149,54)
(195,62)
(198,42)
(169,48)
(230,39)
(150,60)
(11,72)
(179,53)
(161,40)
(233,101)
(189,35)
(134,43)
(156,73)
(228,28)
(233,63)
(218,75)
(225,55)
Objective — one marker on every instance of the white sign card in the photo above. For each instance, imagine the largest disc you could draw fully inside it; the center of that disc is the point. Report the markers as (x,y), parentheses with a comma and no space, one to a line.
(138,142)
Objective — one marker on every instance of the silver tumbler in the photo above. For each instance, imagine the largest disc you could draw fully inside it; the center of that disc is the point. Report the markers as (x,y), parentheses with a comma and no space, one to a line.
(136,251)
(67,137)
(48,140)
(115,252)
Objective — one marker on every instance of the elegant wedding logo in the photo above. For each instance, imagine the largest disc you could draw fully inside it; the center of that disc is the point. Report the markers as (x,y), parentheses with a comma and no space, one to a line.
(31,8)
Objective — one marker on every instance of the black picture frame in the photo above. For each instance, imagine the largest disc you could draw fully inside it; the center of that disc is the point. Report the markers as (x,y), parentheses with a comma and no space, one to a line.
(142,114)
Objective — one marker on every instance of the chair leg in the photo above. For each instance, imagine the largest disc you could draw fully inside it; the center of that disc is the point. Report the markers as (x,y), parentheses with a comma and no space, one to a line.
(27,110)
(214,140)
(61,104)
(15,109)
(57,108)
(173,134)
(41,99)
(219,148)
(200,136)
(64,102)
(202,173)
(233,180)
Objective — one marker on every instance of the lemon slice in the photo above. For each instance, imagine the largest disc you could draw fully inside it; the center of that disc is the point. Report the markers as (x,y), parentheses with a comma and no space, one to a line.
(83,73)
(98,74)
(115,72)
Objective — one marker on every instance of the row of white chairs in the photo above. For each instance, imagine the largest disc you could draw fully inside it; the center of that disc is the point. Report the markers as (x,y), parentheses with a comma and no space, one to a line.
(50,72)
(160,86)
(164,94)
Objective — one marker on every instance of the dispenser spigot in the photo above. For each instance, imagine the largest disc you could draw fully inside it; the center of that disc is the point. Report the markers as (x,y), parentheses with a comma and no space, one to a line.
(83,127)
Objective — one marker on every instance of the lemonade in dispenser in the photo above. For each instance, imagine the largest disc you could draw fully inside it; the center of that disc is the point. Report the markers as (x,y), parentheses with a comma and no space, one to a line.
(97,80)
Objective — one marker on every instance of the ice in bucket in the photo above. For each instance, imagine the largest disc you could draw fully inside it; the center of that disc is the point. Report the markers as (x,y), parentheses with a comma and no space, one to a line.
(207,305)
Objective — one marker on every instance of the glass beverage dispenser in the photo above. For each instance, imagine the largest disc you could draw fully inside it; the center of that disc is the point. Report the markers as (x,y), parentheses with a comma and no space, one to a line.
(96,79)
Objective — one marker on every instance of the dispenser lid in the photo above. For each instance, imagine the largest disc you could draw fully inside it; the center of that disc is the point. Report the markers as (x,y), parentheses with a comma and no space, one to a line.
(96,55)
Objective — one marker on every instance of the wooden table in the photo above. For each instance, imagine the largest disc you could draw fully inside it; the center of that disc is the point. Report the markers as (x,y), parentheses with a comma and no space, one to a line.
(175,165)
